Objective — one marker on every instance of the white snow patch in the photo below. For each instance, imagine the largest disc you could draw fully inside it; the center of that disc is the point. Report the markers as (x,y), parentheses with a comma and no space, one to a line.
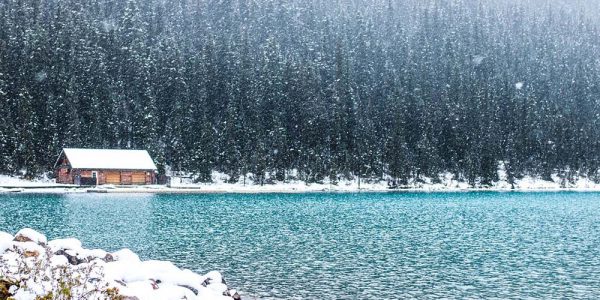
(6,241)
(5,236)
(65,244)
(109,159)
(126,255)
(519,85)
(14,181)
(445,181)
(32,235)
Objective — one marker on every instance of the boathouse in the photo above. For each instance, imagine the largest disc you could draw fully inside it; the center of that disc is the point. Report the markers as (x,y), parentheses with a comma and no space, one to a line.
(104,166)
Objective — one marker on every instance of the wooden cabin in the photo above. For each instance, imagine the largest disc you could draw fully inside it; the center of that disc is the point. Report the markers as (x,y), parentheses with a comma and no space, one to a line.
(105,166)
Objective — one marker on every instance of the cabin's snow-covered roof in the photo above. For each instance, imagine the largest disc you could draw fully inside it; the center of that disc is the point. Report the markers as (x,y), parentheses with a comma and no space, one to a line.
(109,159)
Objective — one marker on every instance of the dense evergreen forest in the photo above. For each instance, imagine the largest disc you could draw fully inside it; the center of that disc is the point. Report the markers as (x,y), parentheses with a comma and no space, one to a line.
(369,88)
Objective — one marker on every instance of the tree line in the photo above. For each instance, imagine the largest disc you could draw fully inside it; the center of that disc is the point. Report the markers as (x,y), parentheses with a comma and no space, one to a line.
(328,89)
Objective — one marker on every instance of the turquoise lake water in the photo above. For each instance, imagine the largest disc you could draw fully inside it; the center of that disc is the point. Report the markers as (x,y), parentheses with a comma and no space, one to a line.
(345,246)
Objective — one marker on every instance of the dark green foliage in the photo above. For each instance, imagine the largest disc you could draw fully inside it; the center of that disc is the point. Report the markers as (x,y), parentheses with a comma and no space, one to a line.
(353,88)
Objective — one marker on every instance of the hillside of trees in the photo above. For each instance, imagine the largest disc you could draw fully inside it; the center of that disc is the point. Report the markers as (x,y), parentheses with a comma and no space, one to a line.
(369,88)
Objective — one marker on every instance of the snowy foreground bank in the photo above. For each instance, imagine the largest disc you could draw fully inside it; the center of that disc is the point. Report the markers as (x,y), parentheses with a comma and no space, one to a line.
(33,268)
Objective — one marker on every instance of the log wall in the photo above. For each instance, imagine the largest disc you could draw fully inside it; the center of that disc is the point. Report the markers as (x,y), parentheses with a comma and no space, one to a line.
(65,175)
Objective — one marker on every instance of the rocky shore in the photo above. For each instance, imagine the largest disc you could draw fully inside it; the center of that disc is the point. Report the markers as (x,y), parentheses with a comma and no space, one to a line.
(31,268)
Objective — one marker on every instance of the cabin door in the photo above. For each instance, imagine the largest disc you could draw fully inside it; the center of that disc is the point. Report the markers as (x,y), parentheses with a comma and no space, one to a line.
(138,178)
(113,177)
(126,177)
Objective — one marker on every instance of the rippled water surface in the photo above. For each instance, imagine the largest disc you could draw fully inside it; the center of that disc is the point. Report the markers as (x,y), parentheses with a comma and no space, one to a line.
(346,246)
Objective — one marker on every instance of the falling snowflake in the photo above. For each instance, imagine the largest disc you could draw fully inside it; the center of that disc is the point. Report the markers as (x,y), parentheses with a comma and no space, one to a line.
(41,76)
(519,85)
(478,59)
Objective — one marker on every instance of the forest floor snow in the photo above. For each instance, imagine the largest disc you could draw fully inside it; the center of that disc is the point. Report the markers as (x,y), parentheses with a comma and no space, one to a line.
(14,181)
(445,183)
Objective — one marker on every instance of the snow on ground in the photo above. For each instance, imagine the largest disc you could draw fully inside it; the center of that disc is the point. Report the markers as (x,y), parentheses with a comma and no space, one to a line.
(220,184)
(12,184)
(14,181)
(33,268)
(445,182)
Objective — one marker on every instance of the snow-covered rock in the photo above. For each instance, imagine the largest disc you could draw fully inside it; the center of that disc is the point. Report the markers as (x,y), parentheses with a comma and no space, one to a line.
(5,236)
(126,255)
(65,244)
(5,245)
(6,241)
(32,268)
(30,235)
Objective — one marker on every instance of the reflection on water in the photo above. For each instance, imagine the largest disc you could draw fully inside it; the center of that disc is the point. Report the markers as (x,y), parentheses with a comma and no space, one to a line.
(346,246)
(112,221)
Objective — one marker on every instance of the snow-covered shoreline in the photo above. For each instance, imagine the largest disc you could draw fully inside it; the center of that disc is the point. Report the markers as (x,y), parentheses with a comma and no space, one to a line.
(281,189)
(31,267)
(219,185)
